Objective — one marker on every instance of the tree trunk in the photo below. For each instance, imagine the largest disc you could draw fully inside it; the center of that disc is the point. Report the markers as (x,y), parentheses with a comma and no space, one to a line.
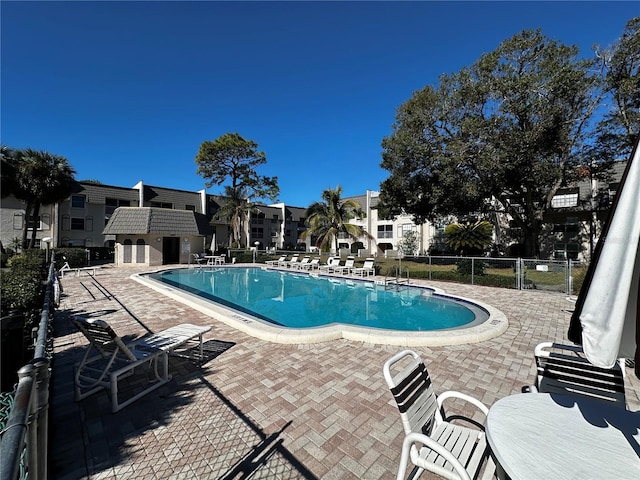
(27,214)
(530,245)
(34,232)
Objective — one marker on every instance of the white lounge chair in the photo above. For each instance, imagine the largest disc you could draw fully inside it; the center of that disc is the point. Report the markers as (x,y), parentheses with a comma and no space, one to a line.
(346,268)
(108,359)
(314,264)
(366,269)
(67,268)
(286,263)
(300,265)
(563,369)
(275,263)
(432,441)
(293,261)
(331,262)
(198,259)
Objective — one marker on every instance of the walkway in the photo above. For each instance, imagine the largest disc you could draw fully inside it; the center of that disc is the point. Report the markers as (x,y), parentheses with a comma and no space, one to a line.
(261,410)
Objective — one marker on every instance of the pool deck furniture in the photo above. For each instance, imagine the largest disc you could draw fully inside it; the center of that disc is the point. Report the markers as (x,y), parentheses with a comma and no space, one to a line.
(367,269)
(314,264)
(349,263)
(357,434)
(433,442)
(215,259)
(563,369)
(287,263)
(199,259)
(77,270)
(108,359)
(331,262)
(275,263)
(553,436)
(300,265)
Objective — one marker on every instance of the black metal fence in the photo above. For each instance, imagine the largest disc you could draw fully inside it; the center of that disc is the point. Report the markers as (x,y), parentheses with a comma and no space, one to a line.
(24,438)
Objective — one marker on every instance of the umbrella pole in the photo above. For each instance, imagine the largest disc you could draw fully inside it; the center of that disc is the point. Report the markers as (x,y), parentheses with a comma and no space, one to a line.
(637,356)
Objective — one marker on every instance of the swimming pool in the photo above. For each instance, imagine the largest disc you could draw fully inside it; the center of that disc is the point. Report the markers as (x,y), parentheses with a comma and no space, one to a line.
(273,304)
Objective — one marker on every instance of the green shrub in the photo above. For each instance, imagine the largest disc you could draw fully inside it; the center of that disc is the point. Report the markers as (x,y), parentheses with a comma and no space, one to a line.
(22,287)
(464,266)
(487,280)
(243,256)
(501,281)
(77,257)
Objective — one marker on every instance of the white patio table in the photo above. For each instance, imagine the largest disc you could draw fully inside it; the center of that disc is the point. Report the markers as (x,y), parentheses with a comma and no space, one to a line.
(549,436)
(215,259)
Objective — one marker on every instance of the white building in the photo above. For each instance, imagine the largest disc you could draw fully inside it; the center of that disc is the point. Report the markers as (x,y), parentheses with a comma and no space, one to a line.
(387,234)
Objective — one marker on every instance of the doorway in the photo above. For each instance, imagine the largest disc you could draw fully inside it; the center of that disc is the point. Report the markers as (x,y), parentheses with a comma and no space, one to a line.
(170,250)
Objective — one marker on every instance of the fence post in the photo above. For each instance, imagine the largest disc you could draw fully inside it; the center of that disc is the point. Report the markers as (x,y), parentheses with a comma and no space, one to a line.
(518,274)
(473,269)
(13,438)
(41,416)
(569,277)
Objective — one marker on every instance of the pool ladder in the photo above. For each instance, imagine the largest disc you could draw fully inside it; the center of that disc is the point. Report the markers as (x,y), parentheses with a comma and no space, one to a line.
(397,281)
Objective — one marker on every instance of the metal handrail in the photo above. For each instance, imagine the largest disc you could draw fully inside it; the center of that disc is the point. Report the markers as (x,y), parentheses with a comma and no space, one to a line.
(27,428)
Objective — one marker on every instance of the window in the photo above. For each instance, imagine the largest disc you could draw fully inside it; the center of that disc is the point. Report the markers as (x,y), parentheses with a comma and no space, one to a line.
(565,200)
(385,231)
(77,223)
(77,201)
(34,223)
(568,231)
(256,233)
(17,221)
(190,207)
(257,218)
(162,205)
(110,204)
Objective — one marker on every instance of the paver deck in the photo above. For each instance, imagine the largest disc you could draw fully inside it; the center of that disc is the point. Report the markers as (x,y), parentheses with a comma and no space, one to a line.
(256,409)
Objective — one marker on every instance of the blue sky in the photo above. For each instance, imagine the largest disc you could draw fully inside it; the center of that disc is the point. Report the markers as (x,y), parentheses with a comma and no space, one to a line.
(127,91)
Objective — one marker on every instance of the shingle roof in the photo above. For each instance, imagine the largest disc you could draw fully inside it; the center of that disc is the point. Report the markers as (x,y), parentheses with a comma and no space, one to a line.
(144,220)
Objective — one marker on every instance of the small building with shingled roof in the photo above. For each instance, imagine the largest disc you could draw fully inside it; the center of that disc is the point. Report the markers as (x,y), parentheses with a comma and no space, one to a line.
(156,236)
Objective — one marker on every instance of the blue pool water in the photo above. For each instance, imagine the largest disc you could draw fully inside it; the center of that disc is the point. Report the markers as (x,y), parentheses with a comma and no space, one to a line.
(303,300)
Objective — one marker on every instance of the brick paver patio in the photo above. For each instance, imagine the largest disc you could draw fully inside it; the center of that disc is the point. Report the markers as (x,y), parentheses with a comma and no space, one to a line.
(256,409)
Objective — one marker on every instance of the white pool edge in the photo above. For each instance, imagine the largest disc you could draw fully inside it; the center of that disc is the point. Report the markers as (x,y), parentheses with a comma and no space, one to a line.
(494,326)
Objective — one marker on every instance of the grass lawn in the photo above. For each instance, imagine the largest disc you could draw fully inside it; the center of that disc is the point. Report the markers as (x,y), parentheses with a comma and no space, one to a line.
(497,273)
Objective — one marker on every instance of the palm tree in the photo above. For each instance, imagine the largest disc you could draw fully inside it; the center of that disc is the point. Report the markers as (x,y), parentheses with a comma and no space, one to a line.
(330,217)
(468,238)
(236,210)
(8,161)
(40,178)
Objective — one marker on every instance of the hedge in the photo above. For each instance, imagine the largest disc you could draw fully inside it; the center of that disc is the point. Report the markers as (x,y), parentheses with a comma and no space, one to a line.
(22,287)
(77,257)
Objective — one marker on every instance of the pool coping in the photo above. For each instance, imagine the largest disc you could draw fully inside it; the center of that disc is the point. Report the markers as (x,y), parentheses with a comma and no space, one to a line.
(494,326)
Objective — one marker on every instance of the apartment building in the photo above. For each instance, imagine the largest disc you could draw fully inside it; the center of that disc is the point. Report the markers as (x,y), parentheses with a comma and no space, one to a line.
(577,215)
(386,234)
(80,221)
(572,224)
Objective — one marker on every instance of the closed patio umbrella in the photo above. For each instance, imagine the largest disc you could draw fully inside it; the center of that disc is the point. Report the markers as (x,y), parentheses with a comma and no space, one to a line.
(214,246)
(606,318)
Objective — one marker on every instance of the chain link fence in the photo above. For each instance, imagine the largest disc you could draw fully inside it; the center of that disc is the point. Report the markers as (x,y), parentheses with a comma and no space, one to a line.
(562,276)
